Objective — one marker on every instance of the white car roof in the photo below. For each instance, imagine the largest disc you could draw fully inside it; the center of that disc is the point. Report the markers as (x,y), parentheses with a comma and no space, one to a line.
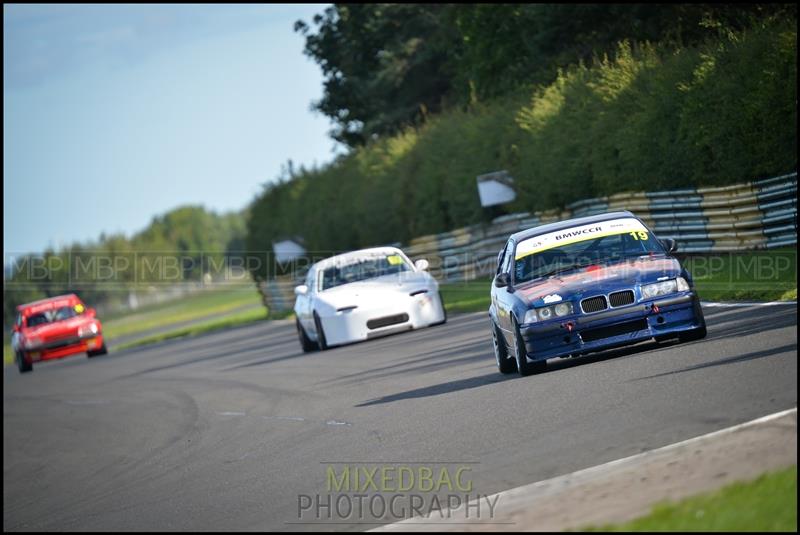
(352,256)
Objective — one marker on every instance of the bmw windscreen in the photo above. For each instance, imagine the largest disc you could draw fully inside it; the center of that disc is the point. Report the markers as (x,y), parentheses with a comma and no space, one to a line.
(603,243)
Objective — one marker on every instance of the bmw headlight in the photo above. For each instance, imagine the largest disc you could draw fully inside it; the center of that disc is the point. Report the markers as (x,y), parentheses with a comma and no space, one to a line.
(664,287)
(562,309)
(547,313)
(530,316)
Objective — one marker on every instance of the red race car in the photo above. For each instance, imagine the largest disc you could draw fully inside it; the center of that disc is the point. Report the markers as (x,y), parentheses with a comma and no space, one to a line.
(55,328)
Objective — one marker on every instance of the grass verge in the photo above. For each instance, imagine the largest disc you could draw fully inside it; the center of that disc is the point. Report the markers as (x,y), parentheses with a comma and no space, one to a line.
(220,304)
(233,320)
(207,303)
(468,296)
(768,503)
(226,322)
(746,276)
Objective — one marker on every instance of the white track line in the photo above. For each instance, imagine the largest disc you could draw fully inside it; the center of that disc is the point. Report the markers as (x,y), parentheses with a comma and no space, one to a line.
(606,466)
(766,304)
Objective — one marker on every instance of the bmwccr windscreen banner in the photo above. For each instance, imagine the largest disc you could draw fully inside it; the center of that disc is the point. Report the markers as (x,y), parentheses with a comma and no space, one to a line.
(625,225)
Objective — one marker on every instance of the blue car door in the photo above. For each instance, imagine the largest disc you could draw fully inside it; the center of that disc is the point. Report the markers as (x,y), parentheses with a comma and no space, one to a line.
(503,298)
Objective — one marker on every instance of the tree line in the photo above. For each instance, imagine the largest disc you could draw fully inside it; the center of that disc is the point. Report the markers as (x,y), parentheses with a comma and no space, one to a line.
(181,245)
(575,101)
(390,66)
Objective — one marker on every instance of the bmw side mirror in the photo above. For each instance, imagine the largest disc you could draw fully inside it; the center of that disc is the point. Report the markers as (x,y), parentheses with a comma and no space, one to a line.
(421,264)
(90,313)
(670,245)
(301,290)
(502,280)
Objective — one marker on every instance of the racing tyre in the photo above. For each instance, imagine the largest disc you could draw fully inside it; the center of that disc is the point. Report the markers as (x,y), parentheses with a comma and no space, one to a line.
(323,345)
(504,364)
(97,352)
(695,334)
(524,367)
(305,342)
(23,366)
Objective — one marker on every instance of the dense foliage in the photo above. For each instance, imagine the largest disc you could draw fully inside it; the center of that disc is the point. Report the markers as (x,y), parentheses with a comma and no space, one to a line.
(388,66)
(643,116)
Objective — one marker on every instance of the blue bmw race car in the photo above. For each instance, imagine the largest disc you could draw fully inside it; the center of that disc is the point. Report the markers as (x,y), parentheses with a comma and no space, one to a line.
(585,285)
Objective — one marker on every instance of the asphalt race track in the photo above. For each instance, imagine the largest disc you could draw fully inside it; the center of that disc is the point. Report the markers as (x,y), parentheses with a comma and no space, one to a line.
(226,430)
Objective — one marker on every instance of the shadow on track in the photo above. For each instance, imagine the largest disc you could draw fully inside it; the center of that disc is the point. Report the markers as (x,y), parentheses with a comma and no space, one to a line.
(497,377)
(730,360)
(437,390)
(748,322)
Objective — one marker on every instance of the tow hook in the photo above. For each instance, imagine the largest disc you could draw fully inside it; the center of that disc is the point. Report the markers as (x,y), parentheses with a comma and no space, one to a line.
(655,309)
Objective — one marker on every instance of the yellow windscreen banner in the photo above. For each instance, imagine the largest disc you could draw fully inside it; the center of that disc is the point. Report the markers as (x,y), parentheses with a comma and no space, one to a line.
(537,244)
(394,260)
(79,308)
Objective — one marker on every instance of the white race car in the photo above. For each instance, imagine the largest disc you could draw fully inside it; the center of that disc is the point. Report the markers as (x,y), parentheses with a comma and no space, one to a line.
(363,294)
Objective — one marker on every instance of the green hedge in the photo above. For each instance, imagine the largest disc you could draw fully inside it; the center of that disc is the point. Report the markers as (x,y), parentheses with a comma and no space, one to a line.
(648,118)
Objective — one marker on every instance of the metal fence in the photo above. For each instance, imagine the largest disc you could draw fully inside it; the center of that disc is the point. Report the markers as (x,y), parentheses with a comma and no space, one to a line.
(754,215)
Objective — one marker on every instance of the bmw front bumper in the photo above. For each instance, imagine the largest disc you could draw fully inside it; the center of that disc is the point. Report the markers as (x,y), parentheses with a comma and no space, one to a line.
(586,333)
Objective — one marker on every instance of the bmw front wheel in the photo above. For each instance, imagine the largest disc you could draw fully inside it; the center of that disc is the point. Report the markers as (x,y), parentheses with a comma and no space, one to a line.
(504,363)
(523,366)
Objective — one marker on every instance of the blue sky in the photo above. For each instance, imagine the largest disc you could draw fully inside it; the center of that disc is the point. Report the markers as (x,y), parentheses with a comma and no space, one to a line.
(116,113)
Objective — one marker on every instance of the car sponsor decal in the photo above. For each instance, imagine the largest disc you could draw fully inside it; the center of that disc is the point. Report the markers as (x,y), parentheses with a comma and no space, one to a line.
(394,260)
(552,298)
(537,244)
